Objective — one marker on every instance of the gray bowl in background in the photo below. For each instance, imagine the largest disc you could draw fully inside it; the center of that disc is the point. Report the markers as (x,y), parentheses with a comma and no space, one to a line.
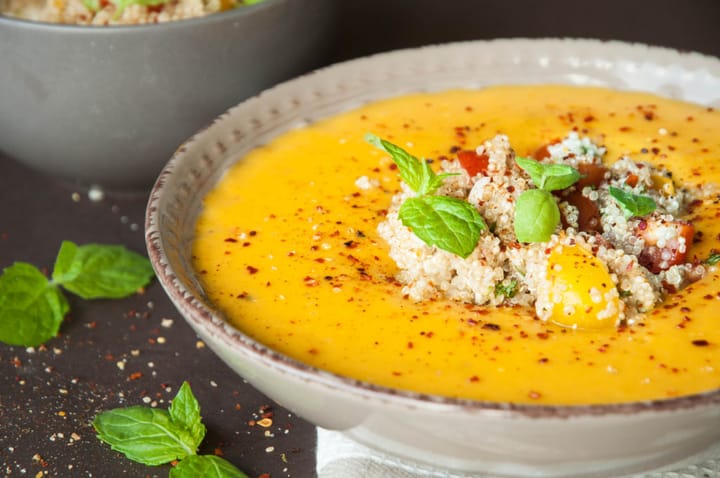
(108,105)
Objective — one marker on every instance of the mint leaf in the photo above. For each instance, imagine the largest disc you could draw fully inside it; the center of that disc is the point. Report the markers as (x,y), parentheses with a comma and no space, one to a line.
(549,177)
(536,216)
(185,411)
(632,204)
(97,271)
(31,308)
(416,173)
(145,435)
(206,466)
(448,223)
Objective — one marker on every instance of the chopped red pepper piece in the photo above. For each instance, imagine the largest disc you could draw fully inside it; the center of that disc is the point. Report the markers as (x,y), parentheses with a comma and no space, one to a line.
(473,162)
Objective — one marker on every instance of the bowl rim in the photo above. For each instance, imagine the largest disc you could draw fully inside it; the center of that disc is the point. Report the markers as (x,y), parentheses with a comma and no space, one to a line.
(116,29)
(213,323)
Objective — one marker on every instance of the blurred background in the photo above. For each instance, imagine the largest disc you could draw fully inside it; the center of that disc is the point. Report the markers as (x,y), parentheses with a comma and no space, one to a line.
(370,26)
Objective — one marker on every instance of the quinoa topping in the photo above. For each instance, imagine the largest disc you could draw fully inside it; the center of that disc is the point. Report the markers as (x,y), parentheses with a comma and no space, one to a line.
(608,260)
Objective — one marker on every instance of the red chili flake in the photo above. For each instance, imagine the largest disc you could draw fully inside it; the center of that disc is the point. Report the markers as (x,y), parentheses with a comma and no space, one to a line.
(16,362)
(252,270)
(410,345)
(589,118)
(474,379)
(700,343)
(218,451)
(543,360)
(252,233)
(397,374)
(543,335)
(313,351)
(264,475)
(350,244)
(489,326)
(534,395)
(135,375)
(310,282)
(230,239)
(625,129)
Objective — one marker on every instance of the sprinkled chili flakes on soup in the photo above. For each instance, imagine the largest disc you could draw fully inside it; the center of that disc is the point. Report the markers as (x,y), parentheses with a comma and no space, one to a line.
(543,244)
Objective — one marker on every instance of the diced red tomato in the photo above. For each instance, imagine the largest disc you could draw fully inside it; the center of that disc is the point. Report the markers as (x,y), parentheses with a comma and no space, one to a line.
(657,257)
(473,162)
(542,152)
(588,211)
(592,175)
(632,180)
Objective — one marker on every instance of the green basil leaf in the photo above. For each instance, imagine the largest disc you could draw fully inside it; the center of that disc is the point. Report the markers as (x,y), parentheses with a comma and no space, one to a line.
(146,435)
(632,204)
(416,173)
(205,466)
(550,177)
(536,216)
(713,259)
(31,308)
(185,411)
(448,223)
(97,271)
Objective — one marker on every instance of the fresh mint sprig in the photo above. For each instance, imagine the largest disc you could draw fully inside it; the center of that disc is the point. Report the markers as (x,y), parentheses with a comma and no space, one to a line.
(154,437)
(536,211)
(33,307)
(447,223)
(632,204)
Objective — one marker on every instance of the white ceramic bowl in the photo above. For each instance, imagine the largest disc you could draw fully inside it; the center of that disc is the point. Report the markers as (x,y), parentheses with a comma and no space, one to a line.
(472,436)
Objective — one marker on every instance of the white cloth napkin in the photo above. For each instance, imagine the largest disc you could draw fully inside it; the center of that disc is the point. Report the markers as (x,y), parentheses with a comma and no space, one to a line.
(341,457)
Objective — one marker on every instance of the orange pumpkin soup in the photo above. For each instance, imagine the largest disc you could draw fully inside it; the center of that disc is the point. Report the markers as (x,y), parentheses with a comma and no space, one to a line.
(288,248)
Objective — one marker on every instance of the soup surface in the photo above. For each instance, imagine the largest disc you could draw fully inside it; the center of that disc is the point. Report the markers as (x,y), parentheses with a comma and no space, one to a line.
(288,249)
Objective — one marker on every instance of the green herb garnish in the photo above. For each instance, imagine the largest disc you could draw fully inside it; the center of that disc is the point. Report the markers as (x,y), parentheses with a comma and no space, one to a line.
(632,204)
(206,466)
(154,437)
(448,223)
(508,290)
(33,307)
(713,259)
(536,211)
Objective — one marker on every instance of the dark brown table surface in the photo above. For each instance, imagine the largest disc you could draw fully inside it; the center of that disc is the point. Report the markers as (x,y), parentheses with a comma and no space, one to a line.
(139,350)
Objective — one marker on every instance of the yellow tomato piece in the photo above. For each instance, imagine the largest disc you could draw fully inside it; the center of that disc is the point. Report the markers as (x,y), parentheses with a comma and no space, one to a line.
(581,291)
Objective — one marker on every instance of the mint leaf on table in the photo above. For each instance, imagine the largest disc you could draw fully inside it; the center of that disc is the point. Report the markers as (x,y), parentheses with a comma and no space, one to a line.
(31,308)
(206,466)
(155,437)
(95,271)
(448,223)
(146,435)
(632,204)
(185,410)
(536,216)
